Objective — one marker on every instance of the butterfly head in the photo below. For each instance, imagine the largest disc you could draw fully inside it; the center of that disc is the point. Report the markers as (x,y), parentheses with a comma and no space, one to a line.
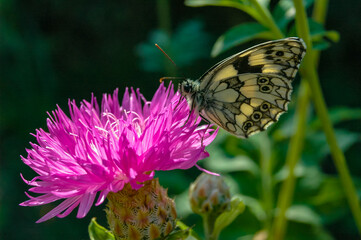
(188,87)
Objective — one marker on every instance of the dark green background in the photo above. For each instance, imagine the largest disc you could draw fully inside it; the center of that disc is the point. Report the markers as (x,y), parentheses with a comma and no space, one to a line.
(52,50)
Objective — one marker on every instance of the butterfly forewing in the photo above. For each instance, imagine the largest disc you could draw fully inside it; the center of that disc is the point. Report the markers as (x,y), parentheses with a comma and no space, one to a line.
(248,91)
(280,57)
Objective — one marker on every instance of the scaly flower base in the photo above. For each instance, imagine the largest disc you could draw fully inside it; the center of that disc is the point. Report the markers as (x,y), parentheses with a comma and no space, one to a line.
(147,213)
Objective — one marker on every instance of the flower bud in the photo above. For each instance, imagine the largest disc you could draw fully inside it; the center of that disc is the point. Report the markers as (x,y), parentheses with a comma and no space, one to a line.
(209,195)
(147,213)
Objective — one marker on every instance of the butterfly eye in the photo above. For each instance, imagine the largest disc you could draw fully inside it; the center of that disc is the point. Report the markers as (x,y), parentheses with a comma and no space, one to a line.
(265,106)
(263,80)
(247,125)
(265,88)
(186,88)
(256,116)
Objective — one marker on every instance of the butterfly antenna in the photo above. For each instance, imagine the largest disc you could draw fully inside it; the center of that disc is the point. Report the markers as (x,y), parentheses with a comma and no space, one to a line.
(170,59)
(165,54)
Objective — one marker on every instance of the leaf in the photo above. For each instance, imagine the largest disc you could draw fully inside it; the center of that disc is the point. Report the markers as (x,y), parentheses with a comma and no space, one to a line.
(329,194)
(219,162)
(303,214)
(316,147)
(97,232)
(239,34)
(321,39)
(227,217)
(244,5)
(220,3)
(284,12)
(338,115)
(282,174)
(185,232)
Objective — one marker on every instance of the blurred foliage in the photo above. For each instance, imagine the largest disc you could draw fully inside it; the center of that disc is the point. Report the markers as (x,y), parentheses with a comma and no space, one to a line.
(188,42)
(54,50)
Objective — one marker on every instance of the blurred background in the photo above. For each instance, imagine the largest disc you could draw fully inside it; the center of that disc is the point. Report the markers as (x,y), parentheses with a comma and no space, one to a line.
(52,51)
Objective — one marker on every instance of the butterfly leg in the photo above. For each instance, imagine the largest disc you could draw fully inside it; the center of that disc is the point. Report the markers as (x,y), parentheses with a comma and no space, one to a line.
(208,124)
(190,113)
(180,100)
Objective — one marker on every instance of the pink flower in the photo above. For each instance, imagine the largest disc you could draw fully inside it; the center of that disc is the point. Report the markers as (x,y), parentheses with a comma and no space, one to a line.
(100,149)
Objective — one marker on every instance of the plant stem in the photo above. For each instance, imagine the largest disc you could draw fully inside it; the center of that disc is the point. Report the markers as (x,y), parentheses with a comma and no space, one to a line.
(294,152)
(208,225)
(310,74)
(164,23)
(320,11)
(266,178)
(293,155)
(164,16)
(319,15)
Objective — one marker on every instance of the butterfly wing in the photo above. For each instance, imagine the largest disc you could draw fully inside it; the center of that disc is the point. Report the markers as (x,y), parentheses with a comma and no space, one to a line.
(280,57)
(248,91)
(247,103)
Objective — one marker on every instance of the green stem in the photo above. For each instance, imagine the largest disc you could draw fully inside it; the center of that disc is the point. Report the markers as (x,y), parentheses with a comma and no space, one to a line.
(208,225)
(163,14)
(293,155)
(294,151)
(319,15)
(310,74)
(267,19)
(320,11)
(266,178)
(164,23)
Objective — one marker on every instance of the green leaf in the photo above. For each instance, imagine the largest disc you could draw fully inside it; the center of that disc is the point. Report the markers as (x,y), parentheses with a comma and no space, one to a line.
(227,217)
(239,34)
(321,39)
(282,174)
(316,147)
(303,214)
(219,162)
(222,3)
(255,207)
(185,232)
(97,232)
(338,115)
(243,5)
(330,194)
(177,235)
(284,12)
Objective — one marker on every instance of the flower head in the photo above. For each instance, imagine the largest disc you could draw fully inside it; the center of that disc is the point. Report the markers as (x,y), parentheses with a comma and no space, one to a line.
(99,149)
(209,195)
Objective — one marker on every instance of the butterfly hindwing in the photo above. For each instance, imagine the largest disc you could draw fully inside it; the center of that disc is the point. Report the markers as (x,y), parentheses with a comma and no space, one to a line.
(247,103)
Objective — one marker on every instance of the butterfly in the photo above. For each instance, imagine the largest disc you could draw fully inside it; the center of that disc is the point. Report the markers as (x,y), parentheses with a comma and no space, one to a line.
(247,92)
